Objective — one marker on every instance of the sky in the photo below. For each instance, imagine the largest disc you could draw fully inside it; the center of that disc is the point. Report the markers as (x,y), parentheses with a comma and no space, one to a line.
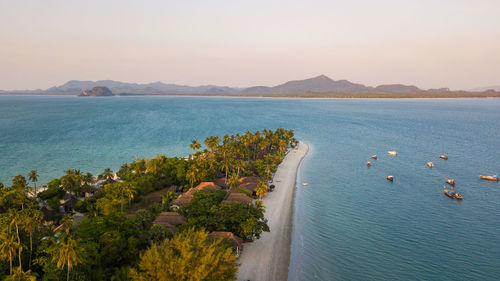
(427,43)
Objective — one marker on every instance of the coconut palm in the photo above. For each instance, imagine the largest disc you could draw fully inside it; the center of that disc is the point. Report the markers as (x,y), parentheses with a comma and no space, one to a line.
(261,190)
(33,176)
(15,219)
(234,181)
(32,222)
(192,175)
(8,246)
(106,174)
(195,145)
(65,253)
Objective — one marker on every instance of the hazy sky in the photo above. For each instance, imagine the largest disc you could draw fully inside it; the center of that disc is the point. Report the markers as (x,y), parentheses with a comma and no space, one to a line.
(428,43)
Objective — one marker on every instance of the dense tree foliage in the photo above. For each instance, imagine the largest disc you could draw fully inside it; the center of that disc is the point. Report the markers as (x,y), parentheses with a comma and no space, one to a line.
(190,255)
(39,241)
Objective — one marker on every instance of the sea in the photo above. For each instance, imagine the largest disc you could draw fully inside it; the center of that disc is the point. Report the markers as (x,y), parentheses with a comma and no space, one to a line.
(349,222)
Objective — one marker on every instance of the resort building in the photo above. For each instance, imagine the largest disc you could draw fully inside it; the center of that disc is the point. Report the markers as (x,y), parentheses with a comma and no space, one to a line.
(229,236)
(210,186)
(237,197)
(170,220)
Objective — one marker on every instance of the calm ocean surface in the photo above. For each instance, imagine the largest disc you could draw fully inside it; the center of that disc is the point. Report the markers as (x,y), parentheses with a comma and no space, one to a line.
(350,223)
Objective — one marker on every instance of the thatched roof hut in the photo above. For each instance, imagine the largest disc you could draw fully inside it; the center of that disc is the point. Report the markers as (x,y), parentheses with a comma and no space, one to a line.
(237,197)
(172,218)
(222,182)
(185,198)
(250,183)
(229,236)
(210,186)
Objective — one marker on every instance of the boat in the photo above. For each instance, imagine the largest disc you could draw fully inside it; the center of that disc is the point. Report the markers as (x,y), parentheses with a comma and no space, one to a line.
(374,156)
(368,164)
(305,184)
(450,181)
(489,178)
(392,153)
(430,164)
(389,177)
(443,157)
(452,194)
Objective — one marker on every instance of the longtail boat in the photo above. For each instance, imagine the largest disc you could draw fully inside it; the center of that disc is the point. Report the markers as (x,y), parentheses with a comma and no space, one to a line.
(368,164)
(450,181)
(374,156)
(392,153)
(489,178)
(430,164)
(389,177)
(452,194)
(443,157)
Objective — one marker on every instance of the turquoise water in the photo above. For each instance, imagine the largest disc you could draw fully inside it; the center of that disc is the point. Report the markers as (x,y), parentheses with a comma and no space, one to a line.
(349,222)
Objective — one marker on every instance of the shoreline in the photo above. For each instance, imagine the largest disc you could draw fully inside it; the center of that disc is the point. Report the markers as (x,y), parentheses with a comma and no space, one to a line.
(268,258)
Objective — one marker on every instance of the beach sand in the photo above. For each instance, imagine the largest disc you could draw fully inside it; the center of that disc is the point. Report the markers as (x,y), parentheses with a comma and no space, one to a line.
(268,257)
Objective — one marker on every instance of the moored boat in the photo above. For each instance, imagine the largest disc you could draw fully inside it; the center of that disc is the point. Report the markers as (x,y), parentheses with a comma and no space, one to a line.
(392,153)
(374,156)
(489,178)
(442,156)
(452,194)
(450,181)
(430,164)
(368,163)
(389,177)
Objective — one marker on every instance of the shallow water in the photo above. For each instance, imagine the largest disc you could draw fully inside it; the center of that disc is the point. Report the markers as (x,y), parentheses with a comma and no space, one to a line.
(349,222)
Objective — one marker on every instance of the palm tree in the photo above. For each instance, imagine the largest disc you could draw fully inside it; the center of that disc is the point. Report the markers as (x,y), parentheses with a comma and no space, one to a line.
(234,181)
(8,246)
(261,190)
(32,222)
(195,145)
(66,254)
(15,219)
(33,176)
(212,143)
(106,174)
(191,175)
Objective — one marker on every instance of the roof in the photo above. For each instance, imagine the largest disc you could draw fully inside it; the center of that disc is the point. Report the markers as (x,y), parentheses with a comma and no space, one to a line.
(70,203)
(68,196)
(237,197)
(172,218)
(184,198)
(221,182)
(226,235)
(210,186)
(250,183)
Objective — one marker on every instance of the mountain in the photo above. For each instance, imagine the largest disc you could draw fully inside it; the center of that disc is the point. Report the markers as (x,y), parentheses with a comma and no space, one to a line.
(96,92)
(319,84)
(482,89)
(397,89)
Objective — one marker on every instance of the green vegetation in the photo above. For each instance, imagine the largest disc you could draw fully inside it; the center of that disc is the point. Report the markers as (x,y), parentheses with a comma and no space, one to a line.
(39,241)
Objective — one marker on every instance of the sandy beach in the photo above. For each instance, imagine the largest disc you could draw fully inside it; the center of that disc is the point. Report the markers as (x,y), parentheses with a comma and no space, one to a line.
(268,257)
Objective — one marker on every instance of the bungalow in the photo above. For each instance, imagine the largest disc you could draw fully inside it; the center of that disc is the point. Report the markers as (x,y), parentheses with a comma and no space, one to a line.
(237,197)
(68,202)
(185,198)
(229,236)
(210,186)
(170,220)
(222,182)
(250,183)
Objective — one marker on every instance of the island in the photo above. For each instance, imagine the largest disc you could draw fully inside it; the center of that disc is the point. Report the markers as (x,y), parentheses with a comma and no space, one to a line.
(98,91)
(166,218)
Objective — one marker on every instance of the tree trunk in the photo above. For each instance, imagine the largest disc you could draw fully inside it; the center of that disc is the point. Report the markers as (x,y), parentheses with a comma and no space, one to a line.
(19,242)
(67,275)
(31,248)
(10,260)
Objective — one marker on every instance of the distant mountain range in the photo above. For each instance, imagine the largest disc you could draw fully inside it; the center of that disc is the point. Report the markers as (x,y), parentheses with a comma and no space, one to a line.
(316,86)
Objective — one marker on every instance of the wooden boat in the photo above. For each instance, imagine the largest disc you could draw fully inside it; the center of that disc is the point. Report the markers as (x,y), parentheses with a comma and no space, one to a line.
(452,194)
(450,181)
(489,178)
(368,164)
(374,156)
(389,177)
(430,164)
(443,157)
(392,153)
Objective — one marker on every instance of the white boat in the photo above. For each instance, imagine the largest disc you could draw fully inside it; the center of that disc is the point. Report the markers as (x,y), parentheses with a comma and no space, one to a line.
(305,184)
(392,153)
(430,164)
